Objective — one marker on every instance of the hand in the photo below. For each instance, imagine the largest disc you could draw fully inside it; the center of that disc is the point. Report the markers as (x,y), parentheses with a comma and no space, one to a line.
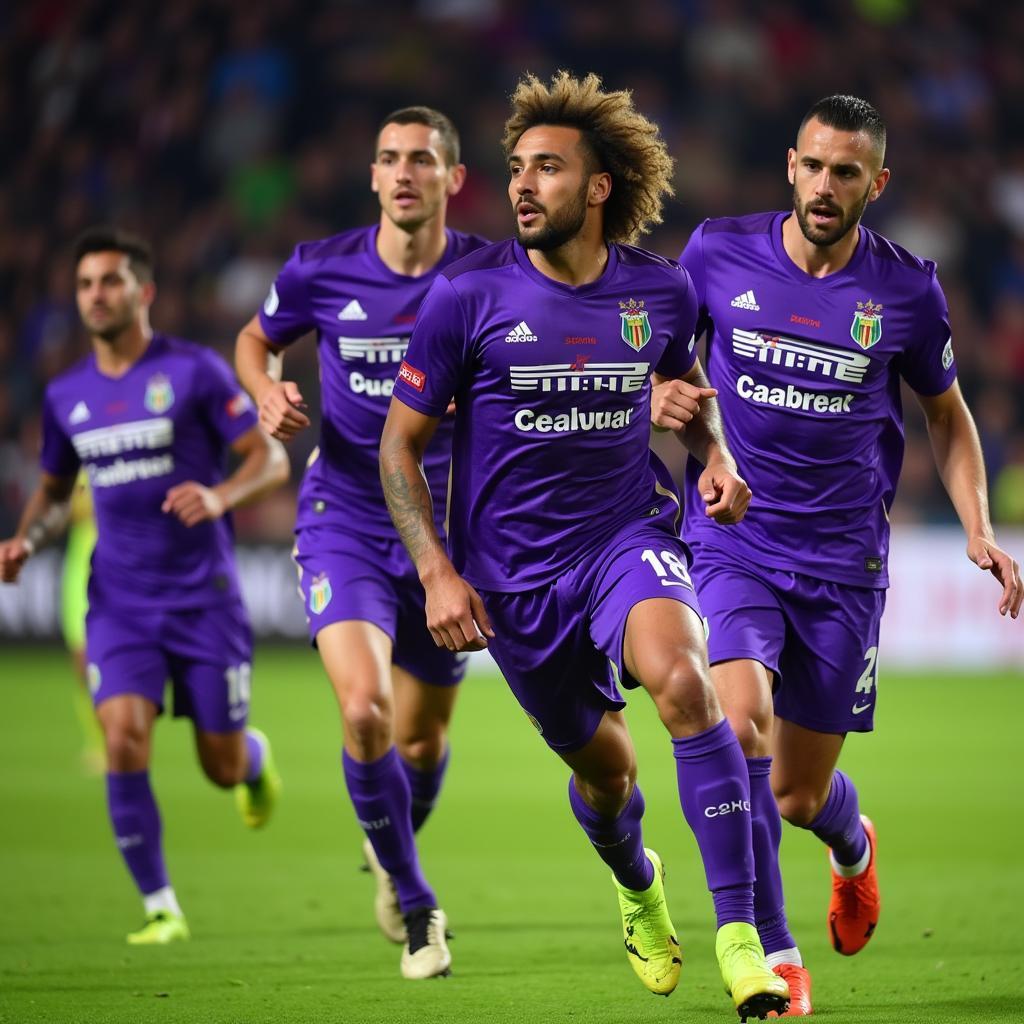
(281,406)
(1006,570)
(675,402)
(725,493)
(14,553)
(456,616)
(193,503)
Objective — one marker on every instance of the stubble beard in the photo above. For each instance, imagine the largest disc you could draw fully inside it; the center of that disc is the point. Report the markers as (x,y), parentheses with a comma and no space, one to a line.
(822,237)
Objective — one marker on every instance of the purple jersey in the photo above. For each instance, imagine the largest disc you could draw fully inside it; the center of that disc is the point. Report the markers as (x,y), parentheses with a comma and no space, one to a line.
(552,387)
(808,375)
(169,419)
(363,314)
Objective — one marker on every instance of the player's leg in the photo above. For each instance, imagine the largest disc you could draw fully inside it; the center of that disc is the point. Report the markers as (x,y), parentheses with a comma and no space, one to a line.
(210,661)
(127,670)
(357,658)
(609,807)
(827,690)
(746,635)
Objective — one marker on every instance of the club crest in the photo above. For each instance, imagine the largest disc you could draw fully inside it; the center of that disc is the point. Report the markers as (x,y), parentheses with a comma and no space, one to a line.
(636,327)
(159,394)
(320,593)
(866,328)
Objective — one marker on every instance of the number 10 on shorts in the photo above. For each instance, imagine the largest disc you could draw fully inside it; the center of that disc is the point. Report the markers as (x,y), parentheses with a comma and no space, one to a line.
(668,564)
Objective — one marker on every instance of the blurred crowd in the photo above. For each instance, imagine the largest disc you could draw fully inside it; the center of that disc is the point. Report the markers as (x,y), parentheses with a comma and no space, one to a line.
(226,131)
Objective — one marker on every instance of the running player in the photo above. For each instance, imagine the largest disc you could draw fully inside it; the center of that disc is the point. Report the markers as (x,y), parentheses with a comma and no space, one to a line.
(360,291)
(565,559)
(812,321)
(150,418)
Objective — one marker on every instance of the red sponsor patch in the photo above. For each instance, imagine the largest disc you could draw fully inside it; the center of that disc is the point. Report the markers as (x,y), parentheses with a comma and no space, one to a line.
(237,405)
(414,378)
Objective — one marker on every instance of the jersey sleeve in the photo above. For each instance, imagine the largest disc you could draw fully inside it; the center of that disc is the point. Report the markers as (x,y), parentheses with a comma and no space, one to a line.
(692,260)
(287,312)
(222,401)
(434,363)
(927,363)
(680,353)
(58,457)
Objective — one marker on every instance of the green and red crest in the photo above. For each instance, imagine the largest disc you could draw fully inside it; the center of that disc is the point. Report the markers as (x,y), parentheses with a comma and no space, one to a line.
(636,328)
(159,394)
(866,328)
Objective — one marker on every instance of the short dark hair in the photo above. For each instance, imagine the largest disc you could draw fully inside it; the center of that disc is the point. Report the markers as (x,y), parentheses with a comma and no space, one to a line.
(106,238)
(432,118)
(849,114)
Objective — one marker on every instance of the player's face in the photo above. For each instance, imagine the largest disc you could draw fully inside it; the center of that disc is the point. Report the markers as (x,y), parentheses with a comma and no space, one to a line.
(548,186)
(410,174)
(109,294)
(834,175)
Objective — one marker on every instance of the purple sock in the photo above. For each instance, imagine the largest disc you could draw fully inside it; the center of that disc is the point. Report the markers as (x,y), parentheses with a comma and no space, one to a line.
(136,821)
(424,787)
(714,791)
(838,823)
(254,750)
(380,795)
(766,828)
(619,841)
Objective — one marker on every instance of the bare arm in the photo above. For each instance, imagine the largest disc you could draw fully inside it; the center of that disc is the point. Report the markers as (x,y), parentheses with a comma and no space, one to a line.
(259,364)
(961,467)
(687,405)
(263,466)
(455,613)
(44,519)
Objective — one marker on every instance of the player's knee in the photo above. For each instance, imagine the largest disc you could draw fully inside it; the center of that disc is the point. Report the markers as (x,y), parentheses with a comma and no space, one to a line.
(423,751)
(685,697)
(127,747)
(367,720)
(225,772)
(798,805)
(753,735)
(608,792)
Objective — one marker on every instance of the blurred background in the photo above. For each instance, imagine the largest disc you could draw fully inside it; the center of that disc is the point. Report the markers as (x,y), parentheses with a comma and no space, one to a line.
(226,131)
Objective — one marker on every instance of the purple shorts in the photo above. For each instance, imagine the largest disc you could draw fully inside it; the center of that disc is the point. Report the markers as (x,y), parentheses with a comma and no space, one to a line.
(819,638)
(345,578)
(206,653)
(560,646)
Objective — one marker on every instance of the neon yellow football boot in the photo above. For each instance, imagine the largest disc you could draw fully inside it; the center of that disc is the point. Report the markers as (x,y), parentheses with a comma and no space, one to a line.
(161,928)
(256,799)
(755,989)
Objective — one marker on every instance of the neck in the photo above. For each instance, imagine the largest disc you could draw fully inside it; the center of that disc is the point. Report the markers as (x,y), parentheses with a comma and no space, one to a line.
(411,253)
(580,261)
(818,260)
(116,356)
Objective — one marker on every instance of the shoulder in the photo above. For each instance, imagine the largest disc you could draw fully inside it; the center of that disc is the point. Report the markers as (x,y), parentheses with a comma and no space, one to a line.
(69,380)
(348,243)
(490,256)
(633,259)
(895,258)
(462,244)
(193,354)
(721,229)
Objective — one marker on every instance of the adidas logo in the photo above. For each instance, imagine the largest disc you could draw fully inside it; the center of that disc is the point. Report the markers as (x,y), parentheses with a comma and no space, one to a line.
(79,414)
(521,332)
(353,311)
(746,301)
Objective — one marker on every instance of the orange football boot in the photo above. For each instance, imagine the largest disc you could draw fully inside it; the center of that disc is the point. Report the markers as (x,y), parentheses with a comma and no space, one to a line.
(855,904)
(799,981)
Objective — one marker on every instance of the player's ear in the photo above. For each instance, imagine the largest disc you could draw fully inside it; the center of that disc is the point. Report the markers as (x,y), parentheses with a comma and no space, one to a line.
(600,188)
(878,185)
(374,184)
(456,179)
(791,166)
(148,293)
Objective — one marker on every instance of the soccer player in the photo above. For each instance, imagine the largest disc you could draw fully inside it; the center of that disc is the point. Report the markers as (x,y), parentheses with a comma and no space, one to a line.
(360,291)
(150,419)
(812,321)
(565,560)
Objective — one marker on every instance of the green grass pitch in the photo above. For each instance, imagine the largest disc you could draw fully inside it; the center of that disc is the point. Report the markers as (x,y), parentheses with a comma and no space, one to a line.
(282,920)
